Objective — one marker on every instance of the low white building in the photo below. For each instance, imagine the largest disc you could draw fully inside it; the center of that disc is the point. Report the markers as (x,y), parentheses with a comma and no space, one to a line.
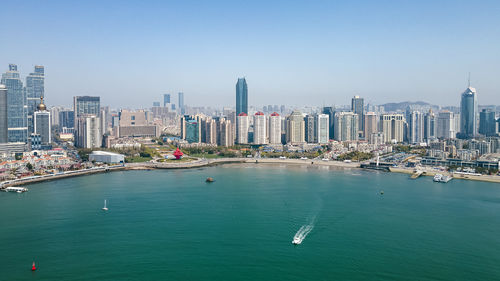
(106,157)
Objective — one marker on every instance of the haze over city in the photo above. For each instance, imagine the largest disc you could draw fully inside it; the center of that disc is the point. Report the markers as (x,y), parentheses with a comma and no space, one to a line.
(291,52)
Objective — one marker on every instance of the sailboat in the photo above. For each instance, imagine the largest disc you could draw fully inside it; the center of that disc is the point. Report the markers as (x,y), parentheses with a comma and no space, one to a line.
(105,208)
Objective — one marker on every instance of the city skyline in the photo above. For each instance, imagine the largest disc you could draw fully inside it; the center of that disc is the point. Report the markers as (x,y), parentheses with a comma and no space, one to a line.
(381,53)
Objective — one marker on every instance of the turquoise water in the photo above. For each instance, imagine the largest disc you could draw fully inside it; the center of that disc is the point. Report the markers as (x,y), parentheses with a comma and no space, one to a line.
(171,225)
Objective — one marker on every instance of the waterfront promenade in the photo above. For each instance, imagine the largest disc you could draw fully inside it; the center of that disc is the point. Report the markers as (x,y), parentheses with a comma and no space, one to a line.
(203,162)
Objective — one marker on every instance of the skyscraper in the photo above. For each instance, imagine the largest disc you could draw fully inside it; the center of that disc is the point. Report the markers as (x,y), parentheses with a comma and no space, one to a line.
(392,126)
(259,128)
(310,128)
(191,128)
(225,132)
(86,105)
(468,114)
(242,124)
(430,126)
(35,89)
(66,121)
(322,128)
(295,128)
(182,109)
(3,115)
(357,106)
(88,131)
(241,96)
(346,126)
(446,125)
(487,123)
(416,127)
(89,109)
(42,123)
(166,99)
(370,124)
(16,105)
(331,114)
(274,128)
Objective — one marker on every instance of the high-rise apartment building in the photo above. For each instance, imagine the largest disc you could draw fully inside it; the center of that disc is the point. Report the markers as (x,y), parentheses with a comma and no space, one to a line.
(89,131)
(274,128)
(4,127)
(241,96)
(242,125)
(446,125)
(346,126)
(357,106)
(35,89)
(225,132)
(370,124)
(209,131)
(295,128)
(310,128)
(392,126)
(259,128)
(416,127)
(322,128)
(17,117)
(487,123)
(468,114)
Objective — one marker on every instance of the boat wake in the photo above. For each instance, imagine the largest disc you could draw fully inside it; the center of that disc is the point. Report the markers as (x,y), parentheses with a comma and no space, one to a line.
(302,233)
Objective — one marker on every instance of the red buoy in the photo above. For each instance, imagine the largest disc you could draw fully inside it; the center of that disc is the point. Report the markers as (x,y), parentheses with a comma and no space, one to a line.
(33,268)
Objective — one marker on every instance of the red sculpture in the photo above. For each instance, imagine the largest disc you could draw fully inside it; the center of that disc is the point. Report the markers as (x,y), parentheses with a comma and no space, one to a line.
(178,154)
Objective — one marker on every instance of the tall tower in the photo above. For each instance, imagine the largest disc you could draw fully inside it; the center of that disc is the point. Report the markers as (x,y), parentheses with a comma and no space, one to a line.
(357,106)
(468,114)
(181,103)
(3,115)
(16,105)
(274,128)
(35,89)
(241,96)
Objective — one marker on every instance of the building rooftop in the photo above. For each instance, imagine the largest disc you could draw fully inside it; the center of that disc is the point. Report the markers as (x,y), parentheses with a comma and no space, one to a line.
(104,153)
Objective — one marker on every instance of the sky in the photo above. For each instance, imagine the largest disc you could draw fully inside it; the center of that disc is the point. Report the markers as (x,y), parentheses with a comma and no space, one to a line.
(291,52)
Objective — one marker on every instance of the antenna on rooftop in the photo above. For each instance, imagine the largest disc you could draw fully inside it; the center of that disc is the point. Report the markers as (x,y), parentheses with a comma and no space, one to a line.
(469,80)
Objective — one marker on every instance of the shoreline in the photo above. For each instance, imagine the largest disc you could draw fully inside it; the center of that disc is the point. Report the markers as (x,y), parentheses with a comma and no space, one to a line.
(220,161)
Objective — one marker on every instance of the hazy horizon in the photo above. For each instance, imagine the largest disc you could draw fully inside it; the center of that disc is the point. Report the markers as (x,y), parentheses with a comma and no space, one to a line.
(291,53)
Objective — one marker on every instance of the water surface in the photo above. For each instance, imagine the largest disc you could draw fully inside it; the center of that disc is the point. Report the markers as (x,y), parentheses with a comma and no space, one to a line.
(171,225)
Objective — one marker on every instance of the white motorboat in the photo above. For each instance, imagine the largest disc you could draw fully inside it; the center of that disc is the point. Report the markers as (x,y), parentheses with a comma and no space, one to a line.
(105,208)
(296,241)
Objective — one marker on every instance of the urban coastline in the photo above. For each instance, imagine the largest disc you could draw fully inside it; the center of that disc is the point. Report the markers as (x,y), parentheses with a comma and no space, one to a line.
(199,163)
(40,142)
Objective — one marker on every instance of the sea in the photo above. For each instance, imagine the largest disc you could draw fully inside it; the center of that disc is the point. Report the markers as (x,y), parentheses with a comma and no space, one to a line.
(173,225)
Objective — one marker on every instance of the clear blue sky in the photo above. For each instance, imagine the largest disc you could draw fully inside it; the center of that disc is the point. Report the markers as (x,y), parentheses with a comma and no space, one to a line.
(292,52)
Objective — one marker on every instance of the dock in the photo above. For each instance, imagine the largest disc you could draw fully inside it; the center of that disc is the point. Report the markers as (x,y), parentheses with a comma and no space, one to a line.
(416,174)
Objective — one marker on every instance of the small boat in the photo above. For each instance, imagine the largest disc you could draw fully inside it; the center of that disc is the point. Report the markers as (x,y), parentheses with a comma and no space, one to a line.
(381,192)
(296,241)
(442,178)
(33,268)
(105,208)
(209,179)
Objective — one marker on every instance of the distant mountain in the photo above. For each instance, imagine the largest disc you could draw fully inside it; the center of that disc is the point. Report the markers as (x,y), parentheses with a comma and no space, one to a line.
(401,106)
